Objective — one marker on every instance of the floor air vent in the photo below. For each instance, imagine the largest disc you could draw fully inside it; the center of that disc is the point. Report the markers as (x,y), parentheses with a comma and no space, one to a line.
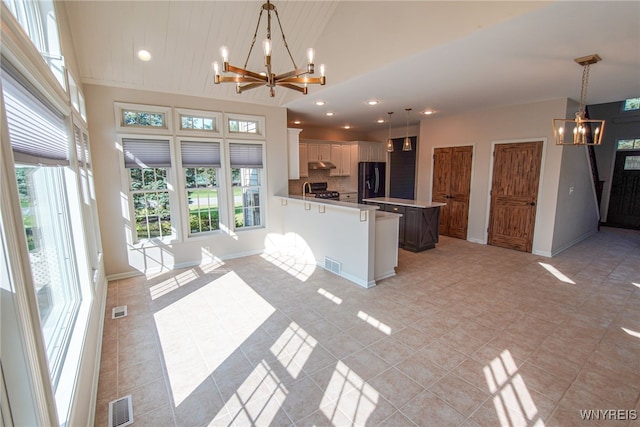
(332,265)
(119,311)
(121,412)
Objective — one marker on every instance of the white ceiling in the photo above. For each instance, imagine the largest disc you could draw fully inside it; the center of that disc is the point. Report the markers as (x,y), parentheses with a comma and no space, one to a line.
(449,56)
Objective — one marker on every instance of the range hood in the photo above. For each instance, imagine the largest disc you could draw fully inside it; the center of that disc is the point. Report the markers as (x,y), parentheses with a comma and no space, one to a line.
(321,165)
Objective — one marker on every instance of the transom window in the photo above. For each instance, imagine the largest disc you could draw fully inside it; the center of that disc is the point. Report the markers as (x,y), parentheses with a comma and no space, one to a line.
(243,126)
(197,123)
(629,144)
(631,104)
(143,118)
(247,126)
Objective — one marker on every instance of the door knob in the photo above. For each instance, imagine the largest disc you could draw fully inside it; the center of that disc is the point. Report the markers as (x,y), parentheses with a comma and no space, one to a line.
(532,204)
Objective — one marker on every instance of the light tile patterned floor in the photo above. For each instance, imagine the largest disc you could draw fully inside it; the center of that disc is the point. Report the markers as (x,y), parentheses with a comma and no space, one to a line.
(464,334)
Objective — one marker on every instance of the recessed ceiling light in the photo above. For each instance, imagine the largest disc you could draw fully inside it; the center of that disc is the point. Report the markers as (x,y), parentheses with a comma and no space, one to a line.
(427,112)
(296,122)
(380,120)
(347,127)
(320,103)
(329,113)
(373,102)
(144,55)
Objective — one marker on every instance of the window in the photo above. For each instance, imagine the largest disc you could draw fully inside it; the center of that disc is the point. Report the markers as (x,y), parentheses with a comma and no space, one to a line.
(631,104)
(632,163)
(39,141)
(247,126)
(196,122)
(246,181)
(143,118)
(629,144)
(77,98)
(148,163)
(201,167)
(38,19)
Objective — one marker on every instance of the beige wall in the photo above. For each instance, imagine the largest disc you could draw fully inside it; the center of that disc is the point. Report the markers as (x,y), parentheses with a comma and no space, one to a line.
(120,258)
(483,129)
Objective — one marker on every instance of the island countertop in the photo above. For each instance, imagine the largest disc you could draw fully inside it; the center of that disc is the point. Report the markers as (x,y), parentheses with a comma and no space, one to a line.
(404,202)
(336,203)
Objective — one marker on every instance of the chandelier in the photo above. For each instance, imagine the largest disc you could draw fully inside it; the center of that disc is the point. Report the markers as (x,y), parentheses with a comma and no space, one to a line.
(581,130)
(296,79)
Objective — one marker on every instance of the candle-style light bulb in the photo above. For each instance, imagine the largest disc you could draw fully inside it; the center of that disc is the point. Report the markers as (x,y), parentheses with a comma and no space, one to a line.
(216,68)
(310,55)
(322,70)
(266,47)
(224,52)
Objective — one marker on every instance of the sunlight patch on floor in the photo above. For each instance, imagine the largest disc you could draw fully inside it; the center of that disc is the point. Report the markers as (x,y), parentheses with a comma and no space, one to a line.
(349,394)
(172,283)
(293,348)
(330,296)
(382,327)
(632,332)
(291,253)
(557,273)
(258,399)
(512,401)
(209,324)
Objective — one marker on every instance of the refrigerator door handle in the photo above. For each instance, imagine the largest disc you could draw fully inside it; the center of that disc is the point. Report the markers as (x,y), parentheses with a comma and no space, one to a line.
(377,180)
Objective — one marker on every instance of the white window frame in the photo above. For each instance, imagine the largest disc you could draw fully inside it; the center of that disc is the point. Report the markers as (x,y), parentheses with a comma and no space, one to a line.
(120,107)
(76,96)
(260,134)
(132,235)
(215,116)
(229,186)
(182,192)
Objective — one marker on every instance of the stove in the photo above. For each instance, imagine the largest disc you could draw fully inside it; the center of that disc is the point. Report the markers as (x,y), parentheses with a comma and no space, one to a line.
(319,191)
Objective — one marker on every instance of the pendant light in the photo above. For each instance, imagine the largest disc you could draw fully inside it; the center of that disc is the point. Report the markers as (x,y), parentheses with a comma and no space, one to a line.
(389,140)
(407,141)
(580,130)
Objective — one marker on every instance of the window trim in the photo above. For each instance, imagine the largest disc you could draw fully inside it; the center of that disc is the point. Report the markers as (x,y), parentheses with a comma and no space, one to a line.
(120,107)
(186,235)
(216,116)
(261,134)
(132,234)
(636,142)
(263,186)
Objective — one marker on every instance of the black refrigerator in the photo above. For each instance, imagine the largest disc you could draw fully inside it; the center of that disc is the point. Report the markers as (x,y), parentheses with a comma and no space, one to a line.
(371,177)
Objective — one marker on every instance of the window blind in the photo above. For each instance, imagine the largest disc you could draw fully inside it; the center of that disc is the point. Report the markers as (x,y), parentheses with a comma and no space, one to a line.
(146,153)
(37,131)
(245,155)
(197,154)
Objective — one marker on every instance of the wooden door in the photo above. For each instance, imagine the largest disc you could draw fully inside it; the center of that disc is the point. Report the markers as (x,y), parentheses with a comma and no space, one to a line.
(514,194)
(624,201)
(452,185)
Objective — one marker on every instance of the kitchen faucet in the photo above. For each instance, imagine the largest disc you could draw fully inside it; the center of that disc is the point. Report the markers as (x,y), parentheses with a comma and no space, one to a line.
(305,185)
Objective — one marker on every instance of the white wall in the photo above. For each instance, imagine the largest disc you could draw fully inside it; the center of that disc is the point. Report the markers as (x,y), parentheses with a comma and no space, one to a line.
(121,259)
(484,128)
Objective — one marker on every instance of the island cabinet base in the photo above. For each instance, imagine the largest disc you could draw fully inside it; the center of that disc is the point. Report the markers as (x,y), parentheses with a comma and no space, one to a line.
(421,227)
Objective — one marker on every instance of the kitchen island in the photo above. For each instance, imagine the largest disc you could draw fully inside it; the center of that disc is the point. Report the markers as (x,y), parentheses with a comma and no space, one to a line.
(420,222)
(356,241)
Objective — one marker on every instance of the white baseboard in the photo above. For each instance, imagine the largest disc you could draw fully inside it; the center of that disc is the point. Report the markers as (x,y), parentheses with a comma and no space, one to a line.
(573,242)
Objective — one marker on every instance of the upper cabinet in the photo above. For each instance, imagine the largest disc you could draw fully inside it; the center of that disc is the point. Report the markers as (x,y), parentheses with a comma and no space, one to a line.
(319,152)
(341,157)
(304,160)
(371,152)
(295,154)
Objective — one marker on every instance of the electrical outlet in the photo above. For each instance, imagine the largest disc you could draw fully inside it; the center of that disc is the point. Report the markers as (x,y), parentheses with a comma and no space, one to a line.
(571,190)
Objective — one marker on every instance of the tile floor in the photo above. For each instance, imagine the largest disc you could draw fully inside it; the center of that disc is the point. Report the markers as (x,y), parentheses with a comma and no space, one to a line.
(464,334)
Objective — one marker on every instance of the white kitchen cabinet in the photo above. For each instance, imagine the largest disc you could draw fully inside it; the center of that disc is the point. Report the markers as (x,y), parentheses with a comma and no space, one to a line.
(371,151)
(303,160)
(293,145)
(319,152)
(341,157)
